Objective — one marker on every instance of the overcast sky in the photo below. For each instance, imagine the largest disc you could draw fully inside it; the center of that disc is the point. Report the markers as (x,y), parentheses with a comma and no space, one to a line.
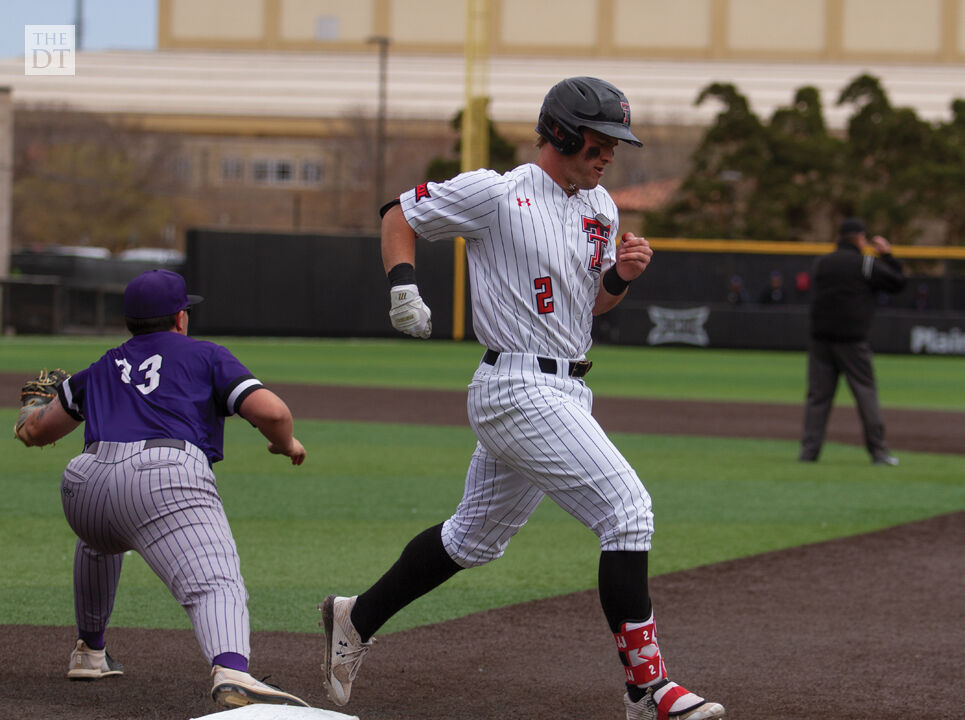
(108,24)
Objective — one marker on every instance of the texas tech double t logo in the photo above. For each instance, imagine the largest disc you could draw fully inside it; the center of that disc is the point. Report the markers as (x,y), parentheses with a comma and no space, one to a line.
(599,235)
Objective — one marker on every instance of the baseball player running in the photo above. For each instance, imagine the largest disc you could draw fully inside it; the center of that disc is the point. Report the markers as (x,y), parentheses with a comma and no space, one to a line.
(544,259)
(154,409)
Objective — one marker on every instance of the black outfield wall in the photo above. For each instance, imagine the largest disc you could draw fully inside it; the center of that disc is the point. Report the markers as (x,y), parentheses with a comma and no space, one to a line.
(314,285)
(719,325)
(305,285)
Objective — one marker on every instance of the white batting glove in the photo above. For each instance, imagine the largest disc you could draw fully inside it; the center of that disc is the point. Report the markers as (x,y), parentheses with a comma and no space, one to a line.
(409,314)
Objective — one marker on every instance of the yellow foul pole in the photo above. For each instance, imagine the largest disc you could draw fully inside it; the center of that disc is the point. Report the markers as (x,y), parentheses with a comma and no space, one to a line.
(475,138)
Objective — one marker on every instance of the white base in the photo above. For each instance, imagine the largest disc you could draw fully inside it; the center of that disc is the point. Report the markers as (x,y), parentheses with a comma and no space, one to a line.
(263,711)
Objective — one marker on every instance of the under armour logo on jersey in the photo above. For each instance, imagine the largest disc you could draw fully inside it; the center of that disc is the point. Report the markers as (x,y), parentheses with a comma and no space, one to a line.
(422,191)
(523,201)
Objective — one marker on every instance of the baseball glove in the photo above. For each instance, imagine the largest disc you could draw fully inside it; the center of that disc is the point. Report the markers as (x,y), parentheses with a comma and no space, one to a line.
(37,392)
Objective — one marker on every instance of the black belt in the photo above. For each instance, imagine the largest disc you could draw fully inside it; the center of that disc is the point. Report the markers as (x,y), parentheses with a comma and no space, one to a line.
(148,444)
(577,369)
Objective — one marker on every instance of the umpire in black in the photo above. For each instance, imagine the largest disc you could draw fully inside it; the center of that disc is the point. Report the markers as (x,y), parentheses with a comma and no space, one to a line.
(846,285)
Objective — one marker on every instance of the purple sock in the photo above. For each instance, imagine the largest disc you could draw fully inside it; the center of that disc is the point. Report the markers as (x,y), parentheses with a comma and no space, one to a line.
(231,660)
(93,640)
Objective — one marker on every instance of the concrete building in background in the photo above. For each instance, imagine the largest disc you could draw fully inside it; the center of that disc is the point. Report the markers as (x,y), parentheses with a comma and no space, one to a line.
(269,106)
(263,115)
(849,31)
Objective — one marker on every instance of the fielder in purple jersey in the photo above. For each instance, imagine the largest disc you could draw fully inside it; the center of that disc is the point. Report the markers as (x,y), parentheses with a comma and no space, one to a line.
(544,259)
(154,411)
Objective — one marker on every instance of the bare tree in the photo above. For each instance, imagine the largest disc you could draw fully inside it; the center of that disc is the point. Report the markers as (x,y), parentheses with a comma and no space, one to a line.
(81,179)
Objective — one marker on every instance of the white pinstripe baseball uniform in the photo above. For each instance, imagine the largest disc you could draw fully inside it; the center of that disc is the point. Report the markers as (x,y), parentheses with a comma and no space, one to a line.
(536,257)
(541,242)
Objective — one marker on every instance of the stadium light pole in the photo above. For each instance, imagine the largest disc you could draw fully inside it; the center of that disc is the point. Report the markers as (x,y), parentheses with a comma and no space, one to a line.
(383,43)
(79,24)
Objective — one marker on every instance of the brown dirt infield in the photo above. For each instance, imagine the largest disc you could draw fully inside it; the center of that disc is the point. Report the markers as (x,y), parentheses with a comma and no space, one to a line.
(869,627)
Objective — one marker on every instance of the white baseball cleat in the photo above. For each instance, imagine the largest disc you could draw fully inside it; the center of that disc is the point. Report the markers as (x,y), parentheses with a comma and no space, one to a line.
(669,700)
(89,664)
(233,688)
(344,649)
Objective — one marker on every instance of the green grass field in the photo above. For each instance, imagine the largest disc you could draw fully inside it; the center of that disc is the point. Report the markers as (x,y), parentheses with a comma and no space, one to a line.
(910,381)
(334,524)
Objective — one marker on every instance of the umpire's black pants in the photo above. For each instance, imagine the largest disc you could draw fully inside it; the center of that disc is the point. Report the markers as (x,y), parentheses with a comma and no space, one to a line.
(826,362)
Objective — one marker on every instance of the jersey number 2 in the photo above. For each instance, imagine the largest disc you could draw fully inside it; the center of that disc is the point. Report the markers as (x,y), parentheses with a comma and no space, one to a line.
(150,369)
(544,295)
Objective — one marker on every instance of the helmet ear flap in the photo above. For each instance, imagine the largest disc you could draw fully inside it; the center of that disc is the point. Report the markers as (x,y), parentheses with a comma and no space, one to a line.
(570,143)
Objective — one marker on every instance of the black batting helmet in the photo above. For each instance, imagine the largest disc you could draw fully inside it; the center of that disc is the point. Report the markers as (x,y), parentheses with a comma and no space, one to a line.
(584,102)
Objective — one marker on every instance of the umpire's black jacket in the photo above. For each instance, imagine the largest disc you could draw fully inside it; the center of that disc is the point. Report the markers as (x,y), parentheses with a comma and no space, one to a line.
(846,284)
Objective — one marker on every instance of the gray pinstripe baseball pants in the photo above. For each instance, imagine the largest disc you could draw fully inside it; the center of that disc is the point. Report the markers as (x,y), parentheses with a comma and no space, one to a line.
(163,503)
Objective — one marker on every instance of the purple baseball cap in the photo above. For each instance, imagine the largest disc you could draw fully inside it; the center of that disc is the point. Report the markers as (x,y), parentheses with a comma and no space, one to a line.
(157,293)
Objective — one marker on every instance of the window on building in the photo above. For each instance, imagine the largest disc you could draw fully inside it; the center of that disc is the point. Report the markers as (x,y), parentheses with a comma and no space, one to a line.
(273,172)
(312,172)
(232,169)
(283,171)
(326,28)
(261,171)
(182,168)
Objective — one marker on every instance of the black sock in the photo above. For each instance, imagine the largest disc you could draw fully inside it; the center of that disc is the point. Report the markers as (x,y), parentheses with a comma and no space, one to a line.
(423,565)
(624,593)
(636,692)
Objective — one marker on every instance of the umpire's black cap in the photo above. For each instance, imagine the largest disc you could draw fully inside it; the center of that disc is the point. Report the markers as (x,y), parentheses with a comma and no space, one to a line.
(852,226)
